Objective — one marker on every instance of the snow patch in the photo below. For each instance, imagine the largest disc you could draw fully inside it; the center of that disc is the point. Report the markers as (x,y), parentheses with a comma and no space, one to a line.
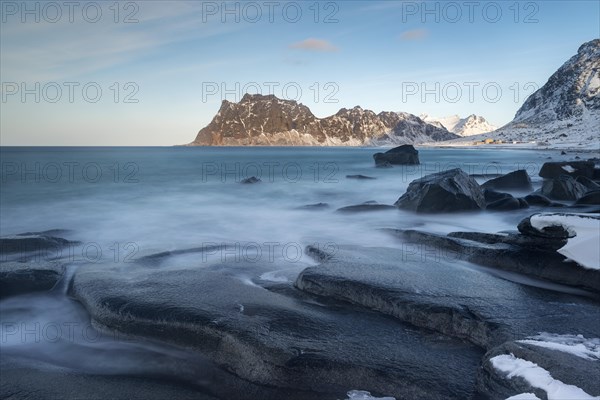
(538,377)
(363,395)
(576,345)
(585,228)
(524,396)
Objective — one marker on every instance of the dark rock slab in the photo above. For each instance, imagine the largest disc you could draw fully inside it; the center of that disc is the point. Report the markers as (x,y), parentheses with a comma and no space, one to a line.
(30,276)
(516,180)
(563,188)
(401,155)
(250,180)
(366,207)
(315,206)
(278,339)
(33,244)
(511,256)
(360,177)
(446,191)
(446,295)
(552,170)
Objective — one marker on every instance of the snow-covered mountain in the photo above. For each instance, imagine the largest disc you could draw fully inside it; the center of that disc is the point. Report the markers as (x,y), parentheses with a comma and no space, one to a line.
(471,125)
(563,112)
(267,120)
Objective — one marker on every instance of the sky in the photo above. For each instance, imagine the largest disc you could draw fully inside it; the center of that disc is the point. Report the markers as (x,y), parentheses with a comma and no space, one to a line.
(152,73)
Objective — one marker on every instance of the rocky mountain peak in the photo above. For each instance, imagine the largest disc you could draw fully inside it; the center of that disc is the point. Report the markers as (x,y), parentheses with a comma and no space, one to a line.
(267,120)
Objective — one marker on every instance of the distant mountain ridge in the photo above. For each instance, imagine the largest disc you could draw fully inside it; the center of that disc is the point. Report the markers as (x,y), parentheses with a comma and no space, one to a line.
(264,120)
(471,125)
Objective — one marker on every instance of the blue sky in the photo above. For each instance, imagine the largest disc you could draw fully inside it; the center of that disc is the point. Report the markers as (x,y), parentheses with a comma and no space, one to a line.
(177,60)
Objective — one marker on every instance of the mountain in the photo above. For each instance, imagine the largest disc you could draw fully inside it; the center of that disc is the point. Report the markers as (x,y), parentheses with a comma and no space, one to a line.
(267,120)
(471,125)
(566,110)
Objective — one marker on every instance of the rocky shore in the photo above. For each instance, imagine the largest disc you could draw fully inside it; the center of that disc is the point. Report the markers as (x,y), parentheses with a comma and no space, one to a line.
(464,315)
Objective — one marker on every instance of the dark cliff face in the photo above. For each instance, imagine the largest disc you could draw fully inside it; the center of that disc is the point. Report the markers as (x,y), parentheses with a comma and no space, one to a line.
(267,120)
(570,92)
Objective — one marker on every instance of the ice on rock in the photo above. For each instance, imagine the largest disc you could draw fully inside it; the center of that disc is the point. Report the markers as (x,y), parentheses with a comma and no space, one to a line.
(364,395)
(576,345)
(583,247)
(538,377)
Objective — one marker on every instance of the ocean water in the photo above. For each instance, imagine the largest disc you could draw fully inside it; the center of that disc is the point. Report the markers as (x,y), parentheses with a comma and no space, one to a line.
(173,198)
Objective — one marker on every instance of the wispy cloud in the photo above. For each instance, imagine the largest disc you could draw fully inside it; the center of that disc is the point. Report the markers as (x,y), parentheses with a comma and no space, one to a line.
(414,34)
(313,44)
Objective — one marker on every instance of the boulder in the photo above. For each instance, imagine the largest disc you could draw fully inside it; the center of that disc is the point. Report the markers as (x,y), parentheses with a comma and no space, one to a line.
(554,169)
(516,180)
(554,232)
(446,191)
(401,155)
(564,187)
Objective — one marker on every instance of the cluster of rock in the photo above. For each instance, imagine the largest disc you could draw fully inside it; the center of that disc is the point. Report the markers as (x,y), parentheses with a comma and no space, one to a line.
(455,190)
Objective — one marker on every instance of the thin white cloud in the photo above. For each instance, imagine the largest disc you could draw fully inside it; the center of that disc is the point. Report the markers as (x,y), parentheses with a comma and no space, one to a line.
(312,44)
(414,34)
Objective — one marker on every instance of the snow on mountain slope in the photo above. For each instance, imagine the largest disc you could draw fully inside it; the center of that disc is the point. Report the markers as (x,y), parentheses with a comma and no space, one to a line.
(565,112)
(471,125)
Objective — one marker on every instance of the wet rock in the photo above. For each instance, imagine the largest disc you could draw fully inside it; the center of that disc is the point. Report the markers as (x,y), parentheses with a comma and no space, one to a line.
(537,200)
(445,295)
(31,276)
(278,339)
(359,177)
(588,183)
(552,170)
(562,366)
(250,180)
(563,188)
(316,206)
(446,191)
(366,207)
(38,244)
(491,196)
(517,180)
(506,204)
(541,262)
(590,198)
(383,164)
(548,232)
(401,155)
